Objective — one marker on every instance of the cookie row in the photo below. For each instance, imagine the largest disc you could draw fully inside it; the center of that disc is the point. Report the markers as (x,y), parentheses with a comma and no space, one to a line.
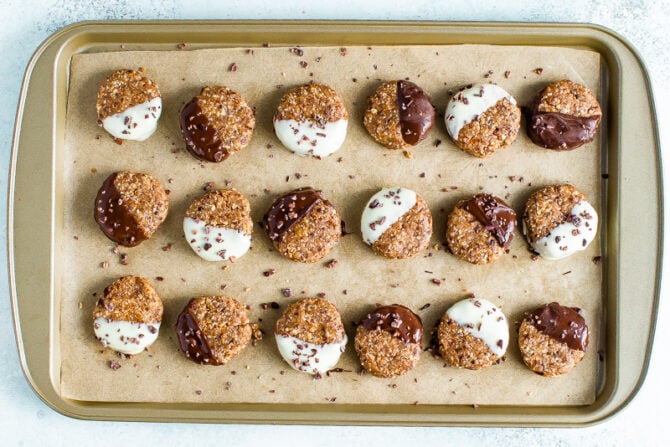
(312,119)
(304,226)
(310,335)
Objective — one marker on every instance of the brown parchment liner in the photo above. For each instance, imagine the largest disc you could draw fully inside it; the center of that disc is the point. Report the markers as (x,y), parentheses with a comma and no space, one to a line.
(348,178)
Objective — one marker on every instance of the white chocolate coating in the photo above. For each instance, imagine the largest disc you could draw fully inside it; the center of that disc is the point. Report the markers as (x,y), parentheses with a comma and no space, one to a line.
(466,106)
(383,210)
(307,138)
(213,243)
(483,320)
(573,235)
(136,123)
(309,357)
(125,337)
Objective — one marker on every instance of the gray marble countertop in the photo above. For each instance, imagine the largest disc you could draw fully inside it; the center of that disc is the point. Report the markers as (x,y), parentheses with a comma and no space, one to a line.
(25,420)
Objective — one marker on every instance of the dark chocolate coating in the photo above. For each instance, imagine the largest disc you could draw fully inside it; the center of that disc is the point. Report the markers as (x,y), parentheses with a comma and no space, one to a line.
(563,324)
(201,139)
(417,114)
(113,217)
(495,215)
(397,320)
(559,131)
(191,339)
(289,209)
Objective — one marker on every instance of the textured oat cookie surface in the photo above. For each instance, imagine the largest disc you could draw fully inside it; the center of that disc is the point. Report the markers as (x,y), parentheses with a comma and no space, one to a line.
(122,90)
(132,299)
(382,117)
(223,208)
(229,114)
(460,348)
(313,320)
(494,129)
(545,355)
(384,355)
(312,102)
(549,207)
(143,198)
(313,236)
(569,98)
(409,235)
(469,239)
(224,325)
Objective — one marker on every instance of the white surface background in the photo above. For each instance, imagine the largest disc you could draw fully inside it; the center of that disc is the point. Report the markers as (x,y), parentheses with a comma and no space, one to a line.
(25,420)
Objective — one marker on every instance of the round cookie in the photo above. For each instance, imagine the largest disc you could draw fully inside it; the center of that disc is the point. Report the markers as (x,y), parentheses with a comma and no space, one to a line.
(399,114)
(129,105)
(553,339)
(310,335)
(218,225)
(303,225)
(128,316)
(213,329)
(216,123)
(482,119)
(559,221)
(311,120)
(129,207)
(473,334)
(564,116)
(480,229)
(396,223)
(388,341)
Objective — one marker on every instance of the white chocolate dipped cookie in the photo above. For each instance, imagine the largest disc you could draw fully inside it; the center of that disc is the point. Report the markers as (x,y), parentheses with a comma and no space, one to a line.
(311,120)
(310,336)
(396,223)
(559,222)
(473,334)
(129,105)
(128,316)
(218,225)
(482,119)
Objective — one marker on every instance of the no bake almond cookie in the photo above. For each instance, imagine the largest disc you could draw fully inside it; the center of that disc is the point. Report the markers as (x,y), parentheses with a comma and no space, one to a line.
(214,329)
(129,207)
(559,221)
(128,316)
(218,225)
(396,223)
(310,335)
(564,116)
(311,120)
(303,225)
(388,341)
(216,123)
(480,229)
(129,105)
(553,339)
(399,114)
(473,334)
(482,119)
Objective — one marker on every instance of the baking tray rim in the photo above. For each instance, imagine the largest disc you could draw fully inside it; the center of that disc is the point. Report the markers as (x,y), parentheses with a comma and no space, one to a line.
(584,416)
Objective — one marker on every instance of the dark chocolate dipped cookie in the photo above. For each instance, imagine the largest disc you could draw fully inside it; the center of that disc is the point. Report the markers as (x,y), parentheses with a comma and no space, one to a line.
(216,123)
(129,207)
(564,116)
(303,225)
(399,114)
(388,341)
(553,339)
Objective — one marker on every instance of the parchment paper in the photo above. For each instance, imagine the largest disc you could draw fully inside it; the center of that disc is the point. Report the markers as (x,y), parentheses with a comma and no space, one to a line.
(437,170)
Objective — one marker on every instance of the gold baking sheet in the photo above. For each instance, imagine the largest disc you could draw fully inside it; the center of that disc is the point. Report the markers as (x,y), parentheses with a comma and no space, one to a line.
(465,388)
